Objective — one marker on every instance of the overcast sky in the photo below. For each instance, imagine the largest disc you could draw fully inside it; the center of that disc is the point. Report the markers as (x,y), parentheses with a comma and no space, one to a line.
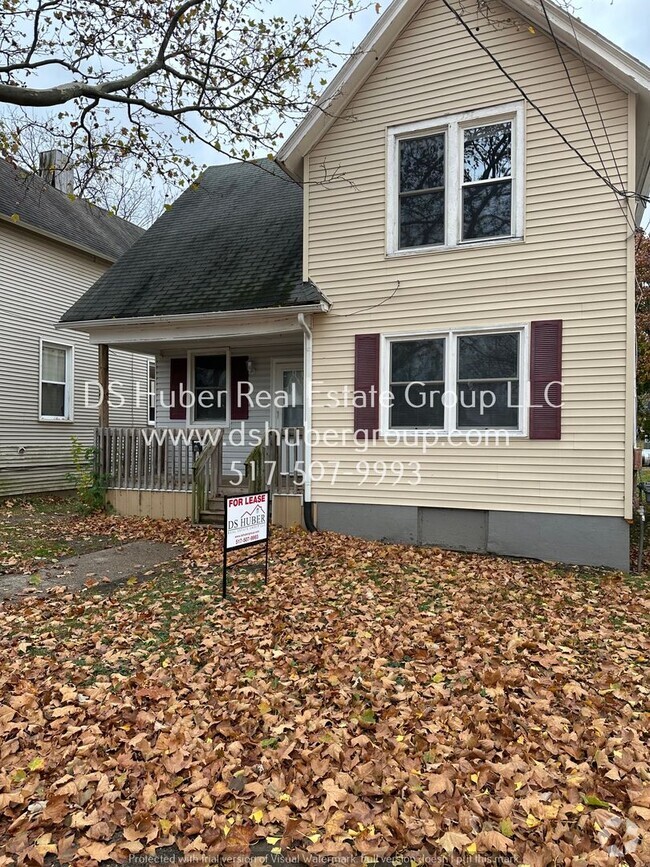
(625,22)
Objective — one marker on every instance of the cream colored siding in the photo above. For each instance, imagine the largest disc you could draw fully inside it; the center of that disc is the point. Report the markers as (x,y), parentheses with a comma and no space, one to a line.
(39,280)
(572,266)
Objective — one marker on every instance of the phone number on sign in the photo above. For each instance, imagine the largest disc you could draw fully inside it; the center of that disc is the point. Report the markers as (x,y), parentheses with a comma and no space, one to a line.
(330,472)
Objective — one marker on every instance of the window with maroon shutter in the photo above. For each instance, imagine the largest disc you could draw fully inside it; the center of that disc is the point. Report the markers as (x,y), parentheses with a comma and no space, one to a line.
(366,383)
(177,385)
(238,373)
(545,380)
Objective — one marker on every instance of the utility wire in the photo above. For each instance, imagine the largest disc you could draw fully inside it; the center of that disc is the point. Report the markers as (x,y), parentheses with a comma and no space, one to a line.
(373,307)
(573,88)
(622,192)
(602,120)
(624,207)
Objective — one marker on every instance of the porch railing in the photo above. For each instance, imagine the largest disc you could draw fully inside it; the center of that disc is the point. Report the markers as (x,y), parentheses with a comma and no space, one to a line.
(207,477)
(281,463)
(150,459)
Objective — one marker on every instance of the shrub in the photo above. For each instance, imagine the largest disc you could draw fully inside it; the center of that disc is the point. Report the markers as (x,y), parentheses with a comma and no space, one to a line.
(89,483)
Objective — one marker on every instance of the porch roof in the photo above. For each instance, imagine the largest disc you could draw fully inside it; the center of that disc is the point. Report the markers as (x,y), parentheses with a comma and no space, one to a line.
(231,242)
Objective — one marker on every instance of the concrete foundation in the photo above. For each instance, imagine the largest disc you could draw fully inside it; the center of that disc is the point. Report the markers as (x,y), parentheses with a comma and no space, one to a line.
(576,539)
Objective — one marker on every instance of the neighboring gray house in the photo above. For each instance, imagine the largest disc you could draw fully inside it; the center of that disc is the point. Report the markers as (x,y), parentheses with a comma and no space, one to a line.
(53,246)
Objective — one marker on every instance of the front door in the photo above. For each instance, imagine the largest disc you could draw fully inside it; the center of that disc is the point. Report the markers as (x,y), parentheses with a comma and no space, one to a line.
(289,394)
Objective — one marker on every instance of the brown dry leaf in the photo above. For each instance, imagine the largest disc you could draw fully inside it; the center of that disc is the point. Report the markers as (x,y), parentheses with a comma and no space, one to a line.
(492,841)
(98,851)
(453,841)
(361,703)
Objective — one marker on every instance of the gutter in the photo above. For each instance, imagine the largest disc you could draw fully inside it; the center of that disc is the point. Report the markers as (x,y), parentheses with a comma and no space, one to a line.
(184,318)
(308,365)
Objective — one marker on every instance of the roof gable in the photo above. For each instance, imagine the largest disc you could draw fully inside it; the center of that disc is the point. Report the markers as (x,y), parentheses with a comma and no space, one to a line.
(30,201)
(616,65)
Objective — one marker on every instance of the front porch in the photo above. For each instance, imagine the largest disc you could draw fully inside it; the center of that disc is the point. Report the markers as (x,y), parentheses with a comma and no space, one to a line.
(226,417)
(179,472)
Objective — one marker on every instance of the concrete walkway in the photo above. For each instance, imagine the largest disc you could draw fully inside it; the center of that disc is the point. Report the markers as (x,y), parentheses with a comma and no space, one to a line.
(108,567)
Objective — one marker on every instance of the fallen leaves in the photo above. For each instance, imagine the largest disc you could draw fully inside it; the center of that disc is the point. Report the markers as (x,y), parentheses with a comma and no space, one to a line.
(372,700)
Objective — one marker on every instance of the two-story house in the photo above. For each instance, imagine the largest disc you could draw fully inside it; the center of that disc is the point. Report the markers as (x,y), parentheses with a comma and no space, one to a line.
(53,246)
(440,307)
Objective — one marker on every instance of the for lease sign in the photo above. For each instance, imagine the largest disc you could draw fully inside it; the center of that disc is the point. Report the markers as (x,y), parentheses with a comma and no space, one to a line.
(247,520)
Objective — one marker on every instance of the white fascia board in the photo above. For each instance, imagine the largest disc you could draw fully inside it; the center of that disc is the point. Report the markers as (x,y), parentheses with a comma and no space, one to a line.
(618,66)
(58,239)
(345,84)
(147,330)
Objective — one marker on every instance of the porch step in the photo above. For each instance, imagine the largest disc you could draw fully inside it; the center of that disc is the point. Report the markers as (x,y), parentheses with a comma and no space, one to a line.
(212,517)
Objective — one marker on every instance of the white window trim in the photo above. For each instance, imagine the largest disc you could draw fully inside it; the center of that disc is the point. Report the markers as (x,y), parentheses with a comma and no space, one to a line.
(151,364)
(189,416)
(69,383)
(453,125)
(451,334)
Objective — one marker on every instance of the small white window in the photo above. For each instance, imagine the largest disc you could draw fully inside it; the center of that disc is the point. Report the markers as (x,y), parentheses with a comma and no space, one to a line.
(455,381)
(56,382)
(152,392)
(456,180)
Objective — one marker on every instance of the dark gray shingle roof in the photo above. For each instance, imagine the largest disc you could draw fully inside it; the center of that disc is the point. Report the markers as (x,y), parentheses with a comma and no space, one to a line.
(231,242)
(38,204)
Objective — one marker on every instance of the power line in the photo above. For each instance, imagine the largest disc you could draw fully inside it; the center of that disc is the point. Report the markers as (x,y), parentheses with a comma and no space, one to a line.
(602,119)
(572,85)
(624,207)
(622,192)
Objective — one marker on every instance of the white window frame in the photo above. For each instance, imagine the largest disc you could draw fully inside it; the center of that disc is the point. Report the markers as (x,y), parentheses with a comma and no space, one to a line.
(191,411)
(453,126)
(278,366)
(450,379)
(69,381)
(152,401)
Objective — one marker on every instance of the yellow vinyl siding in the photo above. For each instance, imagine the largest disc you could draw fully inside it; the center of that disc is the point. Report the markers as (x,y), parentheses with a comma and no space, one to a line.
(573,266)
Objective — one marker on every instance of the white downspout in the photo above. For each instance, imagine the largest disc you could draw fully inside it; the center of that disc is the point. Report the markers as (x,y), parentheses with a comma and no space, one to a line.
(307,362)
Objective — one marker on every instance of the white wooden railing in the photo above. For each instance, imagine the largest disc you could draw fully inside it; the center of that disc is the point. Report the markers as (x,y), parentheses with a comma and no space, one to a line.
(281,465)
(150,459)
(207,477)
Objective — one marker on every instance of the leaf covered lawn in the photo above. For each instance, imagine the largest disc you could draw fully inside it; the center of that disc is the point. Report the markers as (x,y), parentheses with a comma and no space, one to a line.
(372,700)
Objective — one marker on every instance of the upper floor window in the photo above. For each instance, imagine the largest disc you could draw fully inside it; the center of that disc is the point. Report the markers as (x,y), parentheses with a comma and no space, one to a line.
(456,180)
(56,382)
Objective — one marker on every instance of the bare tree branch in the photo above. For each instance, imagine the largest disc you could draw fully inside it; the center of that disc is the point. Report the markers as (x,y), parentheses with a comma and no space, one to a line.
(157,73)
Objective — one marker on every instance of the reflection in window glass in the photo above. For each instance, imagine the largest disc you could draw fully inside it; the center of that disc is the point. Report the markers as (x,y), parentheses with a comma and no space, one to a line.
(417,383)
(422,191)
(488,152)
(210,388)
(293,388)
(488,381)
(487,181)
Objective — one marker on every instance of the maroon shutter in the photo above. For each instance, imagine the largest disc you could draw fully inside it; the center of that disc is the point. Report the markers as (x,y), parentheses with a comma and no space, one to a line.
(238,373)
(545,380)
(177,384)
(366,382)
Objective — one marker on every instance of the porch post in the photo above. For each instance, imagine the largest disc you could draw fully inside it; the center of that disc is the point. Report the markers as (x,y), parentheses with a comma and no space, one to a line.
(102,376)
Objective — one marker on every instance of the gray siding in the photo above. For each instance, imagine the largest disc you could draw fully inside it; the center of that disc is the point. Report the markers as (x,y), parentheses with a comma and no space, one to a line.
(39,280)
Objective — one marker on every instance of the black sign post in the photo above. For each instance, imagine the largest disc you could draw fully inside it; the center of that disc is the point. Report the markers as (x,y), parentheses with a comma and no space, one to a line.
(246,523)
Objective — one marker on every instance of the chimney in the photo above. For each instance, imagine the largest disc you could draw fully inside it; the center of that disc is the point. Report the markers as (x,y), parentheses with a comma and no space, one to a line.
(52,167)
